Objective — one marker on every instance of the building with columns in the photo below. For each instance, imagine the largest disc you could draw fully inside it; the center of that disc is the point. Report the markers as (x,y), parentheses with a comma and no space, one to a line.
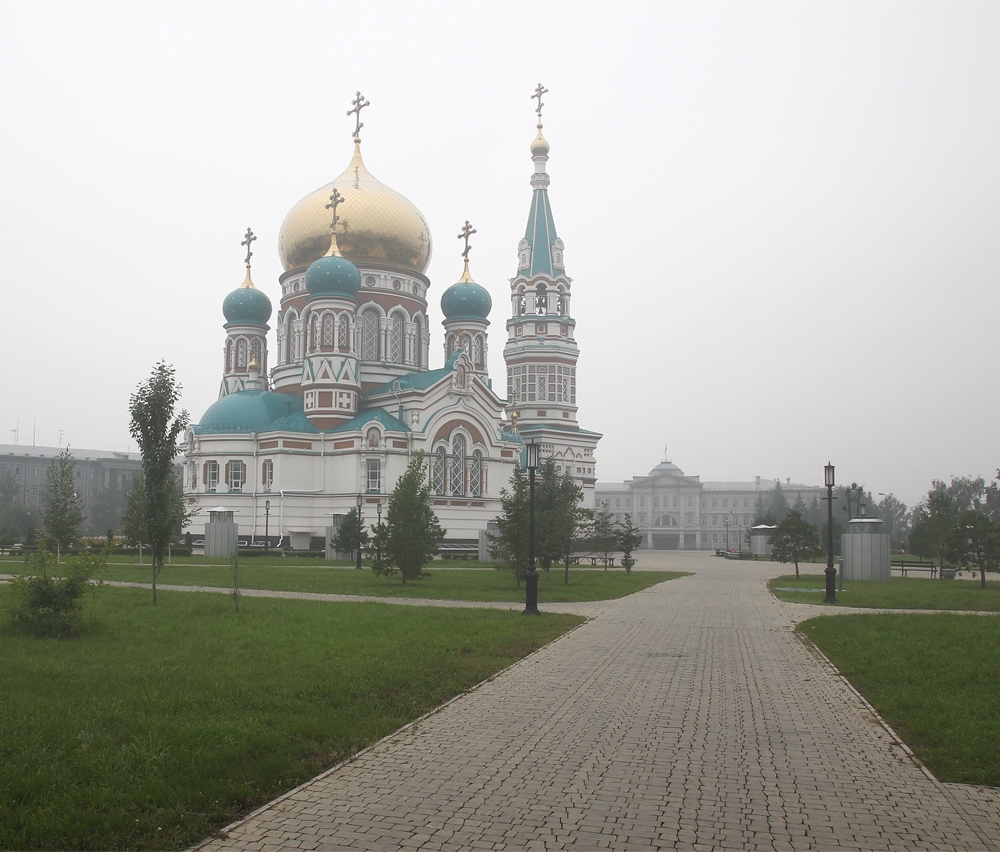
(348,397)
(674,511)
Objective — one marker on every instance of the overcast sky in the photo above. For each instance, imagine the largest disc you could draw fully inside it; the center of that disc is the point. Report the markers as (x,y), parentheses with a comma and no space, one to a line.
(781,219)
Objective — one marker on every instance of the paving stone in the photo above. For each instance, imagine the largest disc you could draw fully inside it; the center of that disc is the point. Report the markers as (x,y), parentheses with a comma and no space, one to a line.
(687,716)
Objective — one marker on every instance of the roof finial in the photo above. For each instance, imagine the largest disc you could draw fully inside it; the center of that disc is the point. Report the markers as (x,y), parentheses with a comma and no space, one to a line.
(247,240)
(359,103)
(467,231)
(539,91)
(513,418)
(335,200)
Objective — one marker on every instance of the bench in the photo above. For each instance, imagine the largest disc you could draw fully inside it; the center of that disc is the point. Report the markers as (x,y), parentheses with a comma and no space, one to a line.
(906,565)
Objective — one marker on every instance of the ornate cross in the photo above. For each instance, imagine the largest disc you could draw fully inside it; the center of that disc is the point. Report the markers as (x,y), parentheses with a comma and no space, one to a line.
(539,91)
(249,238)
(359,103)
(467,231)
(335,199)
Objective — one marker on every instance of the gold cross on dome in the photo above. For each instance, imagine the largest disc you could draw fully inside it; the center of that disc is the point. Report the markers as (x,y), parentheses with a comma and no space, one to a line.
(335,199)
(467,231)
(247,239)
(539,91)
(359,103)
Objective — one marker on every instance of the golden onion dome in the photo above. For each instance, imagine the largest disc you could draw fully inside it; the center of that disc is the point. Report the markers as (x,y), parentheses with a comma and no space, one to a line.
(377,225)
(539,146)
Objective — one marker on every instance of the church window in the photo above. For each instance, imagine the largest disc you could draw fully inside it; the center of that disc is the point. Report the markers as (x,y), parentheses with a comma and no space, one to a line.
(374,476)
(542,385)
(342,334)
(241,354)
(229,355)
(345,400)
(237,475)
(369,336)
(370,281)
(328,330)
(395,339)
(210,475)
(267,474)
(457,483)
(437,474)
(477,351)
(467,345)
(476,474)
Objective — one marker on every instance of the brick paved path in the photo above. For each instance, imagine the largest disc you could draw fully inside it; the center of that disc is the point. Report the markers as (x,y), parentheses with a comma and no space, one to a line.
(688,716)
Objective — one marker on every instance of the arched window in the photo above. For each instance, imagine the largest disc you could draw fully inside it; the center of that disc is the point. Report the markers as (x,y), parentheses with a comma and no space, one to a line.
(476,474)
(467,345)
(396,339)
(343,334)
(458,466)
(313,343)
(477,351)
(369,336)
(241,354)
(229,356)
(437,474)
(328,330)
(267,474)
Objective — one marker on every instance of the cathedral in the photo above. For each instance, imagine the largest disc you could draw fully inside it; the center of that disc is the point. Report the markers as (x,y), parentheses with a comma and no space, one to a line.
(331,419)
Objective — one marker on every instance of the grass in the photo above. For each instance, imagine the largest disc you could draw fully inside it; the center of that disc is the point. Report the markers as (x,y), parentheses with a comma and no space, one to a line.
(900,593)
(931,677)
(468,584)
(160,725)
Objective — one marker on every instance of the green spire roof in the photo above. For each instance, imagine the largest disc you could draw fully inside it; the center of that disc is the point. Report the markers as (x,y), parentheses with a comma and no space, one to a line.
(541,235)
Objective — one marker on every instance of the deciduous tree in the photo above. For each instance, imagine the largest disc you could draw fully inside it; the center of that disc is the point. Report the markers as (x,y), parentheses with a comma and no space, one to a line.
(157,431)
(413,532)
(975,540)
(934,523)
(346,539)
(795,539)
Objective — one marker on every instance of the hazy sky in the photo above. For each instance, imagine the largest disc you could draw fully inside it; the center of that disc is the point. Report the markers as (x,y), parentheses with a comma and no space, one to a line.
(781,219)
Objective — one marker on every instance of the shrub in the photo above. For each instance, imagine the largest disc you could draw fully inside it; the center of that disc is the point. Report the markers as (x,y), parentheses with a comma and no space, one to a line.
(44,605)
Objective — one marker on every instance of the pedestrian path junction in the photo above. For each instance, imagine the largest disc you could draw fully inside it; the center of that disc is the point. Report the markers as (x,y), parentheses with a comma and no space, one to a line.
(686,716)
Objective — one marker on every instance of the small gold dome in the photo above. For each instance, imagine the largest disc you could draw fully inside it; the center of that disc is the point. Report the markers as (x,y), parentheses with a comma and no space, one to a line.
(377,225)
(539,145)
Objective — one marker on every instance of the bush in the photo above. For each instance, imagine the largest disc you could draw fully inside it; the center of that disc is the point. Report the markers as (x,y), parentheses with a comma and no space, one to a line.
(44,605)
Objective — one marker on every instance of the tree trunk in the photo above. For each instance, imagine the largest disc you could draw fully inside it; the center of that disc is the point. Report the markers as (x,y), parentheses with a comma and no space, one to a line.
(982,577)
(566,577)
(796,569)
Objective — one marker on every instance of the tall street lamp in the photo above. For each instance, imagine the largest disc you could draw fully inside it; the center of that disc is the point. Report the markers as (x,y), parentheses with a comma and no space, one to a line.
(531,576)
(267,519)
(725,523)
(360,501)
(831,572)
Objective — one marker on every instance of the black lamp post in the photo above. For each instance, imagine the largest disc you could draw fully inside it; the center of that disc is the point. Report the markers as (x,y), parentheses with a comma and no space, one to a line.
(360,500)
(531,576)
(267,519)
(831,572)
(725,523)
(378,533)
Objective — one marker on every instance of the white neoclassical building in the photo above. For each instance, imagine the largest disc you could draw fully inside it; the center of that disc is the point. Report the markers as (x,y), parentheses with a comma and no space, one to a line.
(348,397)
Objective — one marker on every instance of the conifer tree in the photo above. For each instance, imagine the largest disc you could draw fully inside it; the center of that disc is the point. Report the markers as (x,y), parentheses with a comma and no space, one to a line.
(412,529)
(62,514)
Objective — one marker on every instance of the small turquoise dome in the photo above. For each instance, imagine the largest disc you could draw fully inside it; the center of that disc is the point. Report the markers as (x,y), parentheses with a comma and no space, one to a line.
(248,411)
(247,305)
(333,275)
(466,300)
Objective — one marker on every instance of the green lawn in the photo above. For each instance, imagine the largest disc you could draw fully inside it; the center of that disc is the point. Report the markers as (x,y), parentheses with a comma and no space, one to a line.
(159,725)
(932,677)
(445,583)
(900,593)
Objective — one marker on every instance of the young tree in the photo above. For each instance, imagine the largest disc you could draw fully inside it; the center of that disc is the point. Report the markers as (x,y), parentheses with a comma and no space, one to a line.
(376,551)
(157,431)
(629,538)
(62,514)
(346,539)
(412,529)
(779,503)
(975,540)
(510,543)
(934,523)
(133,525)
(603,533)
(566,521)
(795,539)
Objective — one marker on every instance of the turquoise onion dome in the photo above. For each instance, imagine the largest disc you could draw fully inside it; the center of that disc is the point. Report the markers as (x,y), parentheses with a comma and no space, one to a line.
(246,304)
(466,300)
(333,275)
